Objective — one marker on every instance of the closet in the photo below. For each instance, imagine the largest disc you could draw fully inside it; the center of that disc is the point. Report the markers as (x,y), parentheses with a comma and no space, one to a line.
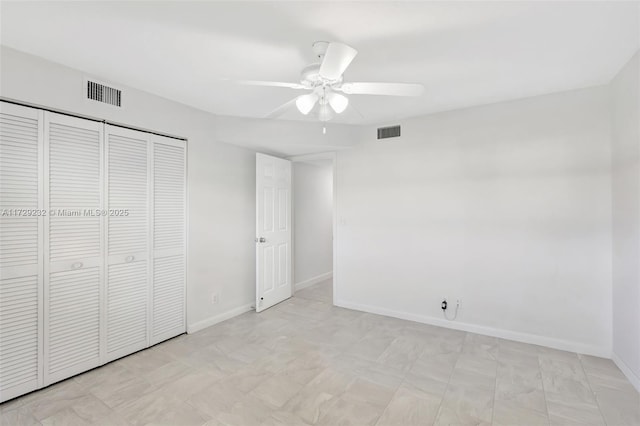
(92,244)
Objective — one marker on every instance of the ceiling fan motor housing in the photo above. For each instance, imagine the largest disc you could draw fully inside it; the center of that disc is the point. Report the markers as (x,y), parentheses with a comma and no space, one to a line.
(310,76)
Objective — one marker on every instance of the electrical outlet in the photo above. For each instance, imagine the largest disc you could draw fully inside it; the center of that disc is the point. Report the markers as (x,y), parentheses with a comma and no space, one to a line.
(214,298)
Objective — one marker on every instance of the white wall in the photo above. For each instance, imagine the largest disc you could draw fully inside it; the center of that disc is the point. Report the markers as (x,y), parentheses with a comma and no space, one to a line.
(506,206)
(221,177)
(625,107)
(313,221)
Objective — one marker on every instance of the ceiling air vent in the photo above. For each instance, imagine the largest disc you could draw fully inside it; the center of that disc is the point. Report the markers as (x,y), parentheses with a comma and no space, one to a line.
(388,132)
(105,94)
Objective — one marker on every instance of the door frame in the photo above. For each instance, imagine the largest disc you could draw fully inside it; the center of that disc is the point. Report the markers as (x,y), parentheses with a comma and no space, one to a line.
(311,157)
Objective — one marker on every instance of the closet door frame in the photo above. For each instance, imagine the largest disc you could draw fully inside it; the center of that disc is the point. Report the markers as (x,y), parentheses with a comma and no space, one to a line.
(87,365)
(133,134)
(36,114)
(180,143)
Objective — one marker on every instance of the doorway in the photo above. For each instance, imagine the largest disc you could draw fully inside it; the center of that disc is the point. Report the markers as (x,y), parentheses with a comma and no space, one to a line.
(313,190)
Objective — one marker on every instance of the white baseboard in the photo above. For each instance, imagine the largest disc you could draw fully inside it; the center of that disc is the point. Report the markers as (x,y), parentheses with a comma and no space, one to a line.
(487,331)
(315,280)
(200,325)
(635,380)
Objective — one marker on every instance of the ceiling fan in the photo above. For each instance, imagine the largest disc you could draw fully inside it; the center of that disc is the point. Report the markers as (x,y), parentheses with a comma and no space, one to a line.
(328,90)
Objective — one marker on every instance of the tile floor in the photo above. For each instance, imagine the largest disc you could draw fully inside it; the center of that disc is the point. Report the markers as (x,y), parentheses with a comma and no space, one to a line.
(307,362)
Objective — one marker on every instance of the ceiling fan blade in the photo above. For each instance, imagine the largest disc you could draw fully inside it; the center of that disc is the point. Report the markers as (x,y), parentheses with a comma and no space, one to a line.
(387,89)
(336,60)
(270,84)
(282,108)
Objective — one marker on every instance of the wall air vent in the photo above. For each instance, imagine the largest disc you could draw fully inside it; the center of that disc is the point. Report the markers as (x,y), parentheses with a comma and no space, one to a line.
(388,132)
(105,94)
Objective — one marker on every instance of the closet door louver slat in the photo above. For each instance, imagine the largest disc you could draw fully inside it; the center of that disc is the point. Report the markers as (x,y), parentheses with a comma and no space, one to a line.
(21,258)
(74,255)
(127,241)
(168,239)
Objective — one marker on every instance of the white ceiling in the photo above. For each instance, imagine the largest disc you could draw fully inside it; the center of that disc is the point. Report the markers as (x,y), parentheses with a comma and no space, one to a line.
(465,53)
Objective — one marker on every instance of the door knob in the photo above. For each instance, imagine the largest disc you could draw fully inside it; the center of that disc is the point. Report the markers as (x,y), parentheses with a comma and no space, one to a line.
(261,240)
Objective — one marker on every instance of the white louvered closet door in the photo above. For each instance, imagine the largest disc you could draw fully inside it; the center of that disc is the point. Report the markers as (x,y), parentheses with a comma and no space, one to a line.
(74,253)
(169,238)
(21,202)
(127,279)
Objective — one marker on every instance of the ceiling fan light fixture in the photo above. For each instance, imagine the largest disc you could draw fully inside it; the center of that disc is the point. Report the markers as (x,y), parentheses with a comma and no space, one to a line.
(338,102)
(326,113)
(305,103)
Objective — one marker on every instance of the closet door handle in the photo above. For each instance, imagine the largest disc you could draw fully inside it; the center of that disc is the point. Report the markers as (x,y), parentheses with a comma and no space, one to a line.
(129,259)
(76,265)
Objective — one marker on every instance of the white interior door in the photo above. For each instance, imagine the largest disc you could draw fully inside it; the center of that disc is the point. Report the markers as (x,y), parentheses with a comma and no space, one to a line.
(74,246)
(127,270)
(168,296)
(273,231)
(21,254)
